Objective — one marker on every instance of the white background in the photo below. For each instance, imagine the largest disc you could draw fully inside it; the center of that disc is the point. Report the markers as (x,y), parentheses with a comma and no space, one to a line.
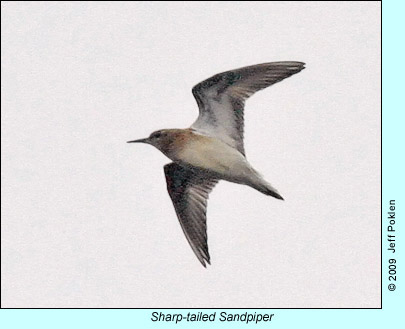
(86,219)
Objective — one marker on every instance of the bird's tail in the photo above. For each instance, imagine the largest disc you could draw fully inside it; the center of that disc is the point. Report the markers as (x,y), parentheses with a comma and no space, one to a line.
(262,186)
(269,190)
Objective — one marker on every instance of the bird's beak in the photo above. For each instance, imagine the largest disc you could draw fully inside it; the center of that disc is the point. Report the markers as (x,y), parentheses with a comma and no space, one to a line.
(142,140)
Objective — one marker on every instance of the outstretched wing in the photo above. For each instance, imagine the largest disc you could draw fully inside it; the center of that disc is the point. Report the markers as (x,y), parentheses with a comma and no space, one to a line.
(221,98)
(189,191)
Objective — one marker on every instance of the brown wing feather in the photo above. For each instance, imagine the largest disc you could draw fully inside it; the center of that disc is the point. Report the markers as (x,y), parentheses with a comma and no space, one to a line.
(189,191)
(221,98)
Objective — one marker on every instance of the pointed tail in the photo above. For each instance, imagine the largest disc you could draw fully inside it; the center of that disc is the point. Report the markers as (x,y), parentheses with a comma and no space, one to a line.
(270,191)
(267,189)
(256,180)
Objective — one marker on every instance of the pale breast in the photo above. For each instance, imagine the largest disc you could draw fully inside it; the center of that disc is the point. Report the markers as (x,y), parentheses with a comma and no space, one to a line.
(212,154)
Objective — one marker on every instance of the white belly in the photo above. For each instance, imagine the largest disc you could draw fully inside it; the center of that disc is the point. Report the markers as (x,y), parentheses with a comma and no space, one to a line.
(216,156)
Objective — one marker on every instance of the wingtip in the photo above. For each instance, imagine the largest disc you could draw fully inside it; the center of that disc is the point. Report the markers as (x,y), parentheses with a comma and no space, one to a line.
(286,63)
(278,196)
(204,261)
(298,65)
(291,66)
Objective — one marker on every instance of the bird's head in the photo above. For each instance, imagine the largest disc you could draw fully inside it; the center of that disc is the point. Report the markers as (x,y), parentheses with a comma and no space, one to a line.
(161,139)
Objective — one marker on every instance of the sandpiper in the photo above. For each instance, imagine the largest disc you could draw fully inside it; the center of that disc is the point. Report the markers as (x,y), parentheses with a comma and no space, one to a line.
(212,148)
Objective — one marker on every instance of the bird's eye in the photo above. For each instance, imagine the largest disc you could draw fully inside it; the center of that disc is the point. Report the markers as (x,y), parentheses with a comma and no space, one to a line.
(157,135)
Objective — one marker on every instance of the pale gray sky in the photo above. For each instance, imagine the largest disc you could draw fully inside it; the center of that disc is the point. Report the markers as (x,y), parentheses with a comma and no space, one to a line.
(86,219)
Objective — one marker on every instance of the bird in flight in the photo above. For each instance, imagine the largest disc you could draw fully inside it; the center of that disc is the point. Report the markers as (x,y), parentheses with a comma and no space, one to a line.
(212,148)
